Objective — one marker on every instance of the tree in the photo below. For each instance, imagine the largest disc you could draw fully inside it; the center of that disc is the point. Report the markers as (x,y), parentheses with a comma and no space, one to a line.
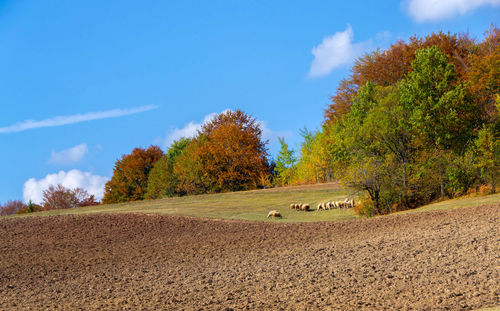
(285,163)
(130,175)
(60,197)
(177,148)
(12,207)
(440,109)
(187,168)
(488,155)
(484,74)
(162,180)
(415,122)
(388,67)
(228,154)
(313,166)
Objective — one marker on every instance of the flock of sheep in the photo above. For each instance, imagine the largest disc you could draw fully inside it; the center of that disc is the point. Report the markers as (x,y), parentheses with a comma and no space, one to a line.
(335,204)
(323,206)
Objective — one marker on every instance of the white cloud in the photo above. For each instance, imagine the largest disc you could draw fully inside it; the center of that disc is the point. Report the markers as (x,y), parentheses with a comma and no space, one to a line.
(189,130)
(336,51)
(434,10)
(69,156)
(94,184)
(72,119)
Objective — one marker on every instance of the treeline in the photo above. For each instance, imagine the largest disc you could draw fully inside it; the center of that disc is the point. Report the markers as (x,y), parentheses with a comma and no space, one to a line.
(227,154)
(55,197)
(413,123)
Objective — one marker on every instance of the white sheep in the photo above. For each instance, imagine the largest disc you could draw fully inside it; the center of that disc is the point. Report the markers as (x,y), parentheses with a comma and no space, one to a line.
(274,214)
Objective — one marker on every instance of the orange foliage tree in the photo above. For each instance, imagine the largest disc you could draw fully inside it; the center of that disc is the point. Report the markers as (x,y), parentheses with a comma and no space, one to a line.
(228,154)
(484,74)
(387,67)
(130,175)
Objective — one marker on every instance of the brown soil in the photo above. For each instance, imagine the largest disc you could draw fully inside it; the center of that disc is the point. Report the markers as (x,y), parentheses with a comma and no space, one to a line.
(447,260)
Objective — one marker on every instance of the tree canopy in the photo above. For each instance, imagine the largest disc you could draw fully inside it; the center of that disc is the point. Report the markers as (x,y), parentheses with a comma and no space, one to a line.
(130,175)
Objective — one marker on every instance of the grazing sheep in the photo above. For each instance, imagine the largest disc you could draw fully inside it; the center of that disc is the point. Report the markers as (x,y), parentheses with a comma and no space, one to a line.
(331,205)
(304,207)
(349,203)
(292,206)
(274,214)
(320,207)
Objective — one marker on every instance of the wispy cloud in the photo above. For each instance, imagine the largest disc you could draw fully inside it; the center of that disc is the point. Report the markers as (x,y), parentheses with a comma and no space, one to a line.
(70,155)
(336,51)
(72,119)
(94,184)
(433,10)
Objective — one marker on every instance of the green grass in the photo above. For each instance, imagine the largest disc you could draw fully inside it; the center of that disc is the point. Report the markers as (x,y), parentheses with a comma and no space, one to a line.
(244,205)
(254,205)
(457,203)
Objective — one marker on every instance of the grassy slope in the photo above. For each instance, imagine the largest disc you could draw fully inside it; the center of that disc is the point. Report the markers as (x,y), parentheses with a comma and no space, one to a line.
(254,205)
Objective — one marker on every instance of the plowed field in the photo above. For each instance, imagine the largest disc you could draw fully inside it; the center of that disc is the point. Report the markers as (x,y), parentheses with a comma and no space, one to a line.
(441,260)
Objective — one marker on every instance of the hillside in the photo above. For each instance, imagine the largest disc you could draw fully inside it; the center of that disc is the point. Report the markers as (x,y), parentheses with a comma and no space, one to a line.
(254,205)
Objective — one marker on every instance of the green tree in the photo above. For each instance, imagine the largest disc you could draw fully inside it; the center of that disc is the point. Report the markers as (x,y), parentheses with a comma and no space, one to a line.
(285,163)
(440,110)
(177,148)
(162,180)
(488,155)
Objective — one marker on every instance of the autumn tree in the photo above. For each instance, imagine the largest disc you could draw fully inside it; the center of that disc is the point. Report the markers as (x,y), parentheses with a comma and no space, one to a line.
(228,154)
(188,169)
(60,197)
(404,144)
(12,207)
(484,73)
(387,67)
(130,175)
(487,147)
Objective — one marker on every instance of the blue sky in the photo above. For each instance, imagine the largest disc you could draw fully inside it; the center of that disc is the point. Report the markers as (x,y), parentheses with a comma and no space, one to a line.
(83,82)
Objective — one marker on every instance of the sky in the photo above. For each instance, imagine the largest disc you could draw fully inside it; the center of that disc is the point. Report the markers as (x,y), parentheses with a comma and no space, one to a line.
(84,82)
